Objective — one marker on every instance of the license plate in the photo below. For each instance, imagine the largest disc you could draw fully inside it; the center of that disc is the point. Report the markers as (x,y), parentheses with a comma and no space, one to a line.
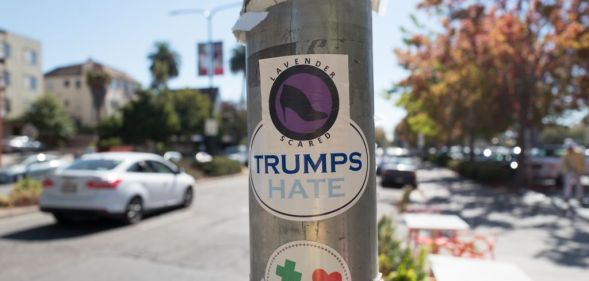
(399,179)
(69,187)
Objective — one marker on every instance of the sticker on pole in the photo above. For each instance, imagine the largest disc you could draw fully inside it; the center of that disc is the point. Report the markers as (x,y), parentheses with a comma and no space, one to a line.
(306,261)
(308,160)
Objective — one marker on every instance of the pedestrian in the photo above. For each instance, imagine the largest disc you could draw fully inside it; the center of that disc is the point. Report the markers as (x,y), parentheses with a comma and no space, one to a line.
(573,166)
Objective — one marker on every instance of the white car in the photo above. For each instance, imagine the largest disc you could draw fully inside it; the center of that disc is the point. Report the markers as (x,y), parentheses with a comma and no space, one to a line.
(115,184)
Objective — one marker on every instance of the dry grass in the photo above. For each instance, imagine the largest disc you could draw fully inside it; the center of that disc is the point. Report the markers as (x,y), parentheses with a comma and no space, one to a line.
(26,192)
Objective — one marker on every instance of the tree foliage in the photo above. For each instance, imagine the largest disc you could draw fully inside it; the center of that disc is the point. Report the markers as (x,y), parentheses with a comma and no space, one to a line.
(233,123)
(50,119)
(148,117)
(98,81)
(192,109)
(164,65)
(495,65)
(237,60)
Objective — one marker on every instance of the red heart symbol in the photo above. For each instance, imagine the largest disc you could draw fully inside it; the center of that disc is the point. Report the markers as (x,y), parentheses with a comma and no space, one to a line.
(321,275)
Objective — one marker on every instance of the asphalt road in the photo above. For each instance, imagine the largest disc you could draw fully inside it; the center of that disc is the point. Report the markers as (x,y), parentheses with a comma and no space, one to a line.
(210,240)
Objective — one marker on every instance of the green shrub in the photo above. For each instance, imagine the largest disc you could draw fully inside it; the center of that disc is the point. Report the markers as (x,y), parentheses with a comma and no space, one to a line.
(395,262)
(219,166)
(484,171)
(441,159)
(26,192)
(454,165)
(110,142)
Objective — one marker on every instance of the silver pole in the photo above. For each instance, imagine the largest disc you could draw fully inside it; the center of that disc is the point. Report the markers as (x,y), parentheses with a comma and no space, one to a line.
(210,62)
(318,27)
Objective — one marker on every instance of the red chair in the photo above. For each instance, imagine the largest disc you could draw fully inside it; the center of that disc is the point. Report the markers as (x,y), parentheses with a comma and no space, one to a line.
(472,245)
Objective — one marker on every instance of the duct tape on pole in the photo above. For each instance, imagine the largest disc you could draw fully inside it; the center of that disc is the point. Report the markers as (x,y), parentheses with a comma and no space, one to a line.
(311,131)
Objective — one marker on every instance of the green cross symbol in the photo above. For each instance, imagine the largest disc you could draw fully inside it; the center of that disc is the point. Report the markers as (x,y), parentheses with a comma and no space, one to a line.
(287,272)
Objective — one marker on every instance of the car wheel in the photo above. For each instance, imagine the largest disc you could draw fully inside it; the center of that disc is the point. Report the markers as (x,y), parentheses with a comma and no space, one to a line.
(558,182)
(62,219)
(188,197)
(134,211)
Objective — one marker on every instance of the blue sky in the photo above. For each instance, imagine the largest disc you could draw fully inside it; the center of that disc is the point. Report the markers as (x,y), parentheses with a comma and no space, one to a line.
(122,33)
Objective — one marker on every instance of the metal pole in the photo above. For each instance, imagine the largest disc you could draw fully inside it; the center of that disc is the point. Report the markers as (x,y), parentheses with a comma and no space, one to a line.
(210,63)
(305,27)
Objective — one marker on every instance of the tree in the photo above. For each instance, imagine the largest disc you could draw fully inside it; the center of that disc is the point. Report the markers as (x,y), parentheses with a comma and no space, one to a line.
(233,124)
(148,117)
(50,119)
(164,66)
(495,65)
(237,64)
(98,80)
(192,109)
(381,137)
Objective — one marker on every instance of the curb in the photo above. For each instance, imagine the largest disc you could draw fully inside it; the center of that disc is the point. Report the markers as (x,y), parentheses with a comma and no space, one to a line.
(18,211)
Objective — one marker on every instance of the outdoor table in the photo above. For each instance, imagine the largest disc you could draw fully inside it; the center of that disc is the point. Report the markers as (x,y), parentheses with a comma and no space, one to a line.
(435,223)
(447,268)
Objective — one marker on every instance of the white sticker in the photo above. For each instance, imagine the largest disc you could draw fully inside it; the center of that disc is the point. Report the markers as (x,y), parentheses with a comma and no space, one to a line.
(308,160)
(306,261)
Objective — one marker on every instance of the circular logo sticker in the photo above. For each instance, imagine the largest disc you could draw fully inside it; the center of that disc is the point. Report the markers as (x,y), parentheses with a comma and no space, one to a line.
(306,261)
(304,102)
(309,185)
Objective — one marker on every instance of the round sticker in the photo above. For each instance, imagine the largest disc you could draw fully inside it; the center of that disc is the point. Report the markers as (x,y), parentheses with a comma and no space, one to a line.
(309,185)
(308,159)
(303,102)
(306,261)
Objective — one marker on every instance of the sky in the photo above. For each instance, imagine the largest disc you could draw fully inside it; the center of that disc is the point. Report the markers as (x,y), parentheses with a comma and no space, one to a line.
(121,34)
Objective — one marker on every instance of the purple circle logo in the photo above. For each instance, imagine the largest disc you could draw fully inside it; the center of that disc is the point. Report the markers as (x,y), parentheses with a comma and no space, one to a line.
(304,102)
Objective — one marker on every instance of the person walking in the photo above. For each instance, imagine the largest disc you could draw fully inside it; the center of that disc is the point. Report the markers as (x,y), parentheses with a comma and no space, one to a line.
(573,166)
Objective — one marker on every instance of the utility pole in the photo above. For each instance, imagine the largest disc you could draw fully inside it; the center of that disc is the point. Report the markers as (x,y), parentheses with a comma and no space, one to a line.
(2,93)
(311,129)
(208,14)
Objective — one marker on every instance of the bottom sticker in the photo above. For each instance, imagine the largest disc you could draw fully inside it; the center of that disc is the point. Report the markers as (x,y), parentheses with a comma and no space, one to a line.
(306,261)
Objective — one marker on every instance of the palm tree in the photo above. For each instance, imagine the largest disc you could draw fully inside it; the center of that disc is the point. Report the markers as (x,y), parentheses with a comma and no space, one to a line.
(98,81)
(237,64)
(164,65)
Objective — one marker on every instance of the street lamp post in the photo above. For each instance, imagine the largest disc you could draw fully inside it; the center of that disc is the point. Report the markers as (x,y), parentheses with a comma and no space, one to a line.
(208,14)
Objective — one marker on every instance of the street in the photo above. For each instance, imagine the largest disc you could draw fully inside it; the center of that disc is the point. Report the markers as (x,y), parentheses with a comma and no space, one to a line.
(210,240)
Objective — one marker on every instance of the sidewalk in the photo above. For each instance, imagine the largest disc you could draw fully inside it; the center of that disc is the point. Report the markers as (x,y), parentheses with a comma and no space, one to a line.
(538,233)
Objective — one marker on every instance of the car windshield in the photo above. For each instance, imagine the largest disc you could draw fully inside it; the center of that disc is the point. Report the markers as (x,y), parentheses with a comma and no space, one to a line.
(94,164)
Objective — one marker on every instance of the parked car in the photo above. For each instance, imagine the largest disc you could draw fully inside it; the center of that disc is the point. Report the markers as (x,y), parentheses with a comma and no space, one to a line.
(237,153)
(390,153)
(21,144)
(399,171)
(34,166)
(545,163)
(122,185)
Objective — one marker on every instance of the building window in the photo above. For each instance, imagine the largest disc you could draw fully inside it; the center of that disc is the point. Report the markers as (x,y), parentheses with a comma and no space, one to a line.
(4,51)
(5,79)
(7,106)
(30,57)
(78,84)
(31,82)
(114,84)
(66,83)
(67,103)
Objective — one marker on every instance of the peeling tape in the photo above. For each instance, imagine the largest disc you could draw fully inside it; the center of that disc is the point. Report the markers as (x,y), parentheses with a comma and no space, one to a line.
(255,12)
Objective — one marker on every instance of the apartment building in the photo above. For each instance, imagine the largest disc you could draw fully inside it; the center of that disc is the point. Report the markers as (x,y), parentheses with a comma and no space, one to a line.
(20,73)
(68,83)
